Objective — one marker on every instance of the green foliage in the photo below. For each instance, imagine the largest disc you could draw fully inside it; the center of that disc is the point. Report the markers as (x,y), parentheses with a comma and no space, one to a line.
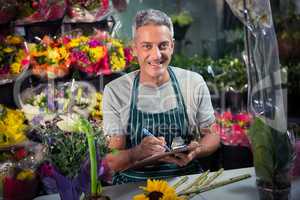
(224,72)
(68,150)
(182,19)
(272,151)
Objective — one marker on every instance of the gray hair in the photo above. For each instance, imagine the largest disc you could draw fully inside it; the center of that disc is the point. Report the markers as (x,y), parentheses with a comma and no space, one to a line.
(151,16)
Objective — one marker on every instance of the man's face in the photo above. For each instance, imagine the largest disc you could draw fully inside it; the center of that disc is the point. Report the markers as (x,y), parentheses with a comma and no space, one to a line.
(153,46)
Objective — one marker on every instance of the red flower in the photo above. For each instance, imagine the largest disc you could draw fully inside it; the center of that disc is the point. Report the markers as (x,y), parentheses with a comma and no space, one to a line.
(243,118)
(233,128)
(227,116)
(21,153)
(128,55)
(237,129)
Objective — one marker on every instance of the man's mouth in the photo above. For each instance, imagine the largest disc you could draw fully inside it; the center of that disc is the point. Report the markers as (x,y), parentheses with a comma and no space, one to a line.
(156,64)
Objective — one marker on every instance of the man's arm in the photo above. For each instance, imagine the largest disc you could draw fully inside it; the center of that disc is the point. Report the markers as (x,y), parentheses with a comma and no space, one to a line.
(126,157)
(203,146)
(208,144)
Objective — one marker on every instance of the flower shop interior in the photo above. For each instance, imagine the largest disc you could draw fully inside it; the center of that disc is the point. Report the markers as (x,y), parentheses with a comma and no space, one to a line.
(57,56)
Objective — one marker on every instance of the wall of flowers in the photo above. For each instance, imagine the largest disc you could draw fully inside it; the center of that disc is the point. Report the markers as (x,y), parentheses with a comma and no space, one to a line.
(51,109)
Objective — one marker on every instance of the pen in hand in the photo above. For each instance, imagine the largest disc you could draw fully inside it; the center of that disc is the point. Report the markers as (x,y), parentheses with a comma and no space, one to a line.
(148,133)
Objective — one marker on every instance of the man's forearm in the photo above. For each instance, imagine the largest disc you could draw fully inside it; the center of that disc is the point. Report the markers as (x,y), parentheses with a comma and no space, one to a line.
(122,159)
(208,144)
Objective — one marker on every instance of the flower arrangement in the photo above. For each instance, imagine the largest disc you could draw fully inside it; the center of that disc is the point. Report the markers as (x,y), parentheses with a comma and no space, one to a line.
(86,10)
(75,147)
(45,102)
(12,127)
(19,157)
(157,190)
(119,57)
(94,55)
(87,54)
(39,11)
(49,58)
(233,128)
(14,57)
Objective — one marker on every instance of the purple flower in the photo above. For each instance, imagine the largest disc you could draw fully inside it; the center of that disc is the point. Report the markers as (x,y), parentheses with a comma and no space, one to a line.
(94,43)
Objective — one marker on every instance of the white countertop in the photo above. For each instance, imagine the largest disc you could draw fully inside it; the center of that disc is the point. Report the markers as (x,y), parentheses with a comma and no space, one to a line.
(245,189)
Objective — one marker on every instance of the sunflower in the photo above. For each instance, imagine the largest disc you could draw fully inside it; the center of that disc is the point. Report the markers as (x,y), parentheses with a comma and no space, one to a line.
(157,190)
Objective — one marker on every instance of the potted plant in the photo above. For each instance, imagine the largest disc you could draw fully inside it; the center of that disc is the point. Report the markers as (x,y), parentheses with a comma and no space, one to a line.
(181,22)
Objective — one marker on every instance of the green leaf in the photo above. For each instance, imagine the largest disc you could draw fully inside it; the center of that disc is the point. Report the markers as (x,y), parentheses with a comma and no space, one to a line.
(272,150)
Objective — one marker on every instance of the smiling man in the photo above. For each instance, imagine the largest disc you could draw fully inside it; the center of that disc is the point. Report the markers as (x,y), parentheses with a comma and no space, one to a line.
(172,103)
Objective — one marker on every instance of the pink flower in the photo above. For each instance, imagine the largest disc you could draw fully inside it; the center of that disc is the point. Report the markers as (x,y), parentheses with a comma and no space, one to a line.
(227,116)
(243,118)
(128,55)
(232,128)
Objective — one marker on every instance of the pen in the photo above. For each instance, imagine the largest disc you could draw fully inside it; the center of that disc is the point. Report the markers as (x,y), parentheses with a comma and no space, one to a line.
(147,133)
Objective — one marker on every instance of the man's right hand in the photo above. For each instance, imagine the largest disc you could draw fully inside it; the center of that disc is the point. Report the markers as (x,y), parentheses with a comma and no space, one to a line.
(149,146)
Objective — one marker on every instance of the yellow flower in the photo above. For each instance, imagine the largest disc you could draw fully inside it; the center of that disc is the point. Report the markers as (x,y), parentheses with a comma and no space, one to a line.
(8,50)
(97,111)
(26,174)
(157,190)
(12,127)
(53,54)
(64,54)
(77,41)
(117,62)
(15,68)
(116,43)
(96,53)
(12,39)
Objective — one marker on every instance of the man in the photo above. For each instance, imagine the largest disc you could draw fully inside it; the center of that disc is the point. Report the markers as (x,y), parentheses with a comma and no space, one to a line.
(169,102)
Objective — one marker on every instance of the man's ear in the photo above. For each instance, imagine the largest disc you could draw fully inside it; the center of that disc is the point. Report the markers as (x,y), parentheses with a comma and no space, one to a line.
(172,44)
(134,48)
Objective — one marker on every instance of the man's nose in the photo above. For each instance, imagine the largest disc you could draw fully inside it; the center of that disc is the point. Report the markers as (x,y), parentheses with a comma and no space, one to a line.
(155,53)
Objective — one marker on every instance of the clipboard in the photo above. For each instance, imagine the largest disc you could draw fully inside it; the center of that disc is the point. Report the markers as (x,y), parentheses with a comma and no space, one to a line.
(154,159)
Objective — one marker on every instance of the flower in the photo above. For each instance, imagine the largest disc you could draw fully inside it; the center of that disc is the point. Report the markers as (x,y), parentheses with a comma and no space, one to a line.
(12,127)
(97,112)
(13,56)
(157,190)
(49,59)
(232,128)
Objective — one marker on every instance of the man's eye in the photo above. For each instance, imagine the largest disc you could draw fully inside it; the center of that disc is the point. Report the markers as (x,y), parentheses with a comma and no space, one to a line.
(146,46)
(163,46)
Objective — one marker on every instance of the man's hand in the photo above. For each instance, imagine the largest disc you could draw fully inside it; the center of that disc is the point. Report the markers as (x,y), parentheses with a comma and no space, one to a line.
(148,147)
(182,159)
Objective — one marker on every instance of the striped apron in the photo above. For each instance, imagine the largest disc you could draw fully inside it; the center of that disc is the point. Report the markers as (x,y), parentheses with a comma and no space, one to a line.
(169,124)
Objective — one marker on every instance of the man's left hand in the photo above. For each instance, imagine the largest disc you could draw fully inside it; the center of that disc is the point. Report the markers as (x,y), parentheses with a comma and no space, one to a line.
(182,159)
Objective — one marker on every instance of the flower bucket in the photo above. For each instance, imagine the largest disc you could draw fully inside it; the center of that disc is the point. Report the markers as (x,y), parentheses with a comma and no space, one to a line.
(14,189)
(267,192)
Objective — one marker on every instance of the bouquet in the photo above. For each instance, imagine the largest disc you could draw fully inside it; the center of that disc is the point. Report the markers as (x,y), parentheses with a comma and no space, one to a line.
(69,139)
(50,58)
(40,10)
(86,54)
(12,127)
(45,102)
(18,170)
(7,11)
(14,56)
(119,56)
(86,10)
(19,157)
(97,54)
(233,128)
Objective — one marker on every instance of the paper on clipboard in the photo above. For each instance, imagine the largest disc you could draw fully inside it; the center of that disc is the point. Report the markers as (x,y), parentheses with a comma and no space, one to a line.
(152,160)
